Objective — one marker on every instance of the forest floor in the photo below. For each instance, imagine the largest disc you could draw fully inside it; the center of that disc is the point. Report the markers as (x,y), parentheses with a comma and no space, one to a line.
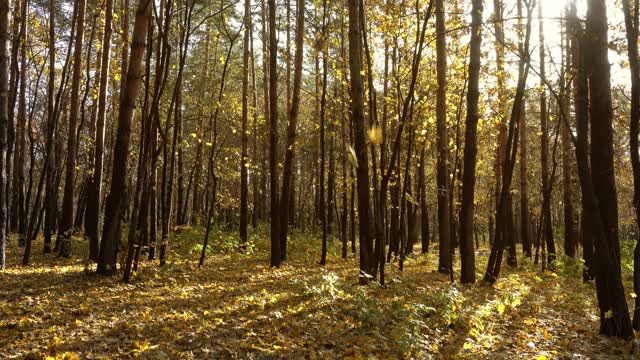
(238,307)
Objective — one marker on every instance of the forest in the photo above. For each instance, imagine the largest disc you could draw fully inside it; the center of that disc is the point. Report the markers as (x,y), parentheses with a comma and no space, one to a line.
(263,179)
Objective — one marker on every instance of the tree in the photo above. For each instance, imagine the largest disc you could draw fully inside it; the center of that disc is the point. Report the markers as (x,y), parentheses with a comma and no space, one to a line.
(4,121)
(525,224)
(547,226)
(94,190)
(287,173)
(614,314)
(631,21)
(442,141)
(113,207)
(367,264)
(467,253)
(18,200)
(244,187)
(323,123)
(504,229)
(273,136)
(66,218)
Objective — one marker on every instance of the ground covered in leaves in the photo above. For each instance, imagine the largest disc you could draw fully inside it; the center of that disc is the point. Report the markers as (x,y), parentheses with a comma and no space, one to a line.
(238,307)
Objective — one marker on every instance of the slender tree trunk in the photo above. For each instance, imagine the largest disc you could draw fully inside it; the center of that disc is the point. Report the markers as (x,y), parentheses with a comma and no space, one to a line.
(567,164)
(442,141)
(276,255)
(547,227)
(108,247)
(287,174)
(66,219)
(357,120)
(323,122)
(4,121)
(467,253)
(94,191)
(244,186)
(632,20)
(525,227)
(504,218)
(424,214)
(18,208)
(51,125)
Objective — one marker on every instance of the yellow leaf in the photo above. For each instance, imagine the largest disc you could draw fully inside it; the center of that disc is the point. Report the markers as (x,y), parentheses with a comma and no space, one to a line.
(467,346)
(375,135)
(501,309)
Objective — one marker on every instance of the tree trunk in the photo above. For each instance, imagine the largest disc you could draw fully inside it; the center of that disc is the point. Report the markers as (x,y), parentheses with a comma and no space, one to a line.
(547,227)
(525,217)
(4,122)
(51,124)
(467,253)
(357,119)
(108,246)
(287,173)
(244,186)
(442,141)
(614,314)
(276,254)
(94,190)
(631,21)
(66,220)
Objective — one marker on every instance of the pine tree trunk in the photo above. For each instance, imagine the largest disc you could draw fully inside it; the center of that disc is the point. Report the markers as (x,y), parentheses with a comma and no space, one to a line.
(4,122)
(66,219)
(94,191)
(614,313)
(442,141)
(467,253)
(114,202)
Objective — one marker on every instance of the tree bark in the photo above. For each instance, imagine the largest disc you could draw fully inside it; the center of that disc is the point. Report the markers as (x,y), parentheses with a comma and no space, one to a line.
(467,253)
(4,121)
(108,247)
(276,254)
(66,220)
(442,165)
(614,314)
(94,190)
(287,174)
(357,120)
(631,21)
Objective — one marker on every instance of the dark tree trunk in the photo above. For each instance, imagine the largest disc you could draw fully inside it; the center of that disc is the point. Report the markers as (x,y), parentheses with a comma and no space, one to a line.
(357,120)
(631,21)
(4,122)
(467,253)
(442,141)
(547,227)
(614,313)
(276,254)
(66,219)
(49,203)
(94,191)
(115,200)
(424,214)
(244,186)
(525,217)
(287,175)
